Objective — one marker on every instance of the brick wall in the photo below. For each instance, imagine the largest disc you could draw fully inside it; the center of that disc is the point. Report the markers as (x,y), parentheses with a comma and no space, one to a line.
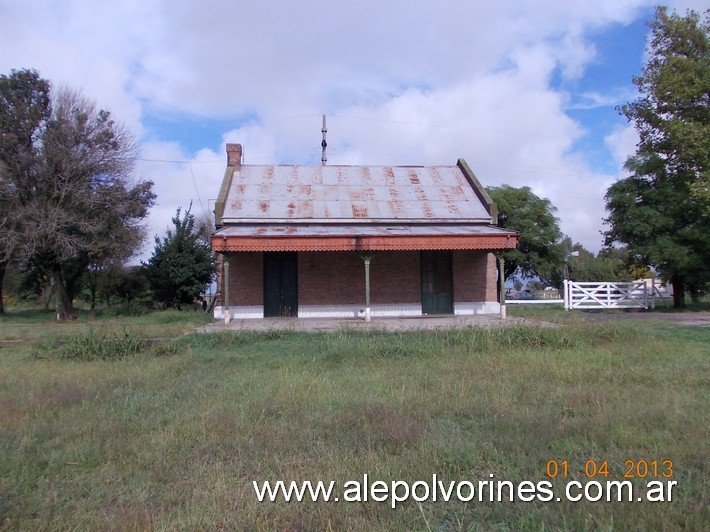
(492,277)
(332,278)
(338,278)
(475,276)
(395,277)
(246,279)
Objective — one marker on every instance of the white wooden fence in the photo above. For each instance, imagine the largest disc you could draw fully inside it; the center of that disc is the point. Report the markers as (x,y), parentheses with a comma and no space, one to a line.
(606,295)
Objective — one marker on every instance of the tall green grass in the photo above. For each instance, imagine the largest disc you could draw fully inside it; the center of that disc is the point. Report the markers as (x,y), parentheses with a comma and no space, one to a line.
(147,441)
(93,345)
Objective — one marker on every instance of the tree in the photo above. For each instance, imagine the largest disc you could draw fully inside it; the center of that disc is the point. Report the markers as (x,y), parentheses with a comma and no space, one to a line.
(583,266)
(132,284)
(611,264)
(538,252)
(181,265)
(622,263)
(662,211)
(102,280)
(24,109)
(73,175)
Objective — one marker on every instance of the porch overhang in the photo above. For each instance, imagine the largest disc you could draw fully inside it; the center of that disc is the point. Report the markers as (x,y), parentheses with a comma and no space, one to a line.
(344,237)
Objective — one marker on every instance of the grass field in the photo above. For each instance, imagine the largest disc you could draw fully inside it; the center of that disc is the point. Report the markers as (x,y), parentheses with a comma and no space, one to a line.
(131,423)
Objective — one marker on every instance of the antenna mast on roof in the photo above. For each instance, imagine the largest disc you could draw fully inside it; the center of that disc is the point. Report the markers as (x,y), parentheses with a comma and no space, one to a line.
(324,144)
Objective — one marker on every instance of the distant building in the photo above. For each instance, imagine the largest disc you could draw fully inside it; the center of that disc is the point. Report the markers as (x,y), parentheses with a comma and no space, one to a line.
(349,241)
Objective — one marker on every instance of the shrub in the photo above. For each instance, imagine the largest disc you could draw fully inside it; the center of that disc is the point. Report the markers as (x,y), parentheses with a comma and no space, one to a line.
(132,308)
(94,346)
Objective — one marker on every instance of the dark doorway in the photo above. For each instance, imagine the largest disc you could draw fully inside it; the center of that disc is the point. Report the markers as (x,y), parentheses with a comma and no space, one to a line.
(280,284)
(437,290)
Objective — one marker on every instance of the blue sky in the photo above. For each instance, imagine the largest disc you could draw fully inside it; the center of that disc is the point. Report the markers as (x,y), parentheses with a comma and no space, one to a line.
(525,91)
(620,51)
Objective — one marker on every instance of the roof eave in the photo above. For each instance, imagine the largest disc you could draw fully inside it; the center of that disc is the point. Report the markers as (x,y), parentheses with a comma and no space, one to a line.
(480,190)
(226,244)
(222,197)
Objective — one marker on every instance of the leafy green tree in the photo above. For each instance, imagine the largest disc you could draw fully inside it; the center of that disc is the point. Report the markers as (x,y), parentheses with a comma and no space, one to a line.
(586,267)
(662,211)
(102,280)
(70,166)
(610,264)
(622,264)
(181,265)
(132,284)
(655,214)
(538,252)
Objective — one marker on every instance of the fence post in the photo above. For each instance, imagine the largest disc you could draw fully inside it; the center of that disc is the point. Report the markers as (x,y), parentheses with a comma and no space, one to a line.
(653,293)
(608,295)
(565,294)
(645,295)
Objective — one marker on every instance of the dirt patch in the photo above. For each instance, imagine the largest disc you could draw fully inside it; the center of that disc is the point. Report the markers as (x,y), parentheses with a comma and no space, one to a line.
(9,343)
(699,319)
(377,324)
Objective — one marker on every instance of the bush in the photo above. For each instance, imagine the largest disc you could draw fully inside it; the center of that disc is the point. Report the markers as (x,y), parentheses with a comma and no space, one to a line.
(94,346)
(132,308)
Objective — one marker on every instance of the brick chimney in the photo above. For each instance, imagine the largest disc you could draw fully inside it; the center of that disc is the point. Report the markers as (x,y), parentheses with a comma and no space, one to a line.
(234,155)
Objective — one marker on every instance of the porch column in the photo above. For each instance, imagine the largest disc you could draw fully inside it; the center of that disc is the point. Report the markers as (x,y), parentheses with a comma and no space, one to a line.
(366,258)
(225,288)
(501,277)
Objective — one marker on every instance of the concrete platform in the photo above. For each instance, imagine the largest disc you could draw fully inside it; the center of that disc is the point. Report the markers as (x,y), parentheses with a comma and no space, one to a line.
(383,324)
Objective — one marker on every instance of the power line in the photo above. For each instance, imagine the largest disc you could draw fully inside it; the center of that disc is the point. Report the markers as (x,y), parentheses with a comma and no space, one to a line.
(192,173)
(196,190)
(520,169)
(179,162)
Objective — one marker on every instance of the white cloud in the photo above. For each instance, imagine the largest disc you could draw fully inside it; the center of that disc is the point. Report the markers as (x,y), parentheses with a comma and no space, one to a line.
(622,143)
(179,180)
(404,81)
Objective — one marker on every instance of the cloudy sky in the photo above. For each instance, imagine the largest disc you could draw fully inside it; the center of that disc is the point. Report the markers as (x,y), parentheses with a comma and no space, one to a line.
(524,90)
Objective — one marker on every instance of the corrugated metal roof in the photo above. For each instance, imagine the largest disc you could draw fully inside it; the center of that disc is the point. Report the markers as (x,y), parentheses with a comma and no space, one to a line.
(352,230)
(353,193)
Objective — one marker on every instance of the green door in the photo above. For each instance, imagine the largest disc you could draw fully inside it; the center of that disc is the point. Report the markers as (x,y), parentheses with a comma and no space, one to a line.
(437,290)
(280,284)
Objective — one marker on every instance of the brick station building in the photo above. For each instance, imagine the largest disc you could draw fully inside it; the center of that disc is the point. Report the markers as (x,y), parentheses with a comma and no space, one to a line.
(355,241)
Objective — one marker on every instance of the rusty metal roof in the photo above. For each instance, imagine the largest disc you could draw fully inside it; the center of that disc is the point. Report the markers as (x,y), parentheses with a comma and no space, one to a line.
(360,208)
(353,230)
(358,194)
